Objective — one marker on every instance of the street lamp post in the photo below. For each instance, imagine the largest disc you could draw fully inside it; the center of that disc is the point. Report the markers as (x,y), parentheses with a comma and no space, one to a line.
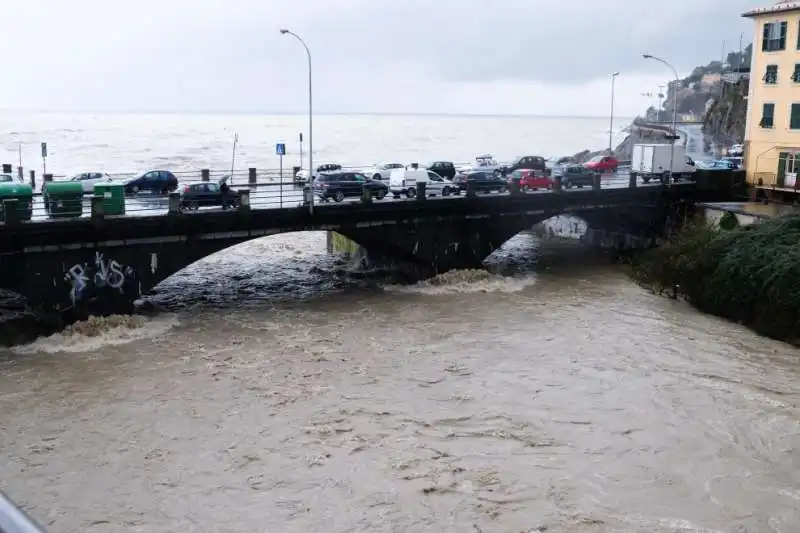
(611,119)
(310,120)
(674,110)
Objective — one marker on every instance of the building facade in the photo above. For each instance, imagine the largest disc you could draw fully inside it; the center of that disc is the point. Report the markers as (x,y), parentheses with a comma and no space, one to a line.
(772,134)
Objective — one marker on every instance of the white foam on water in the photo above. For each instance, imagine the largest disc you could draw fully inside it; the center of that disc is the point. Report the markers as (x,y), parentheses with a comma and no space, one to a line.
(99,332)
(466,281)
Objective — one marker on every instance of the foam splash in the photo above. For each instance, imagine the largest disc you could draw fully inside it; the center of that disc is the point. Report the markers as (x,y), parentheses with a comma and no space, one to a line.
(466,281)
(98,332)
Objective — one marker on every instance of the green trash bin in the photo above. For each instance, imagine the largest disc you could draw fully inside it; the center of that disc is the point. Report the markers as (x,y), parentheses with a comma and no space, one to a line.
(22,193)
(63,198)
(113,197)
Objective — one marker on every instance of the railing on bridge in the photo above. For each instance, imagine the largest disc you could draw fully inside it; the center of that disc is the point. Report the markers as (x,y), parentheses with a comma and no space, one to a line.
(253,190)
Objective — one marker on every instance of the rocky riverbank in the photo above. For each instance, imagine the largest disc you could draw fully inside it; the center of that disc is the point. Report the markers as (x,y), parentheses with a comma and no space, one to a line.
(744,274)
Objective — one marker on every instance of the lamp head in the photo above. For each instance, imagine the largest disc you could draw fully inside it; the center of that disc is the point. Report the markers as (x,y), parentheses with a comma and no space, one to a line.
(614,74)
(284,31)
(647,56)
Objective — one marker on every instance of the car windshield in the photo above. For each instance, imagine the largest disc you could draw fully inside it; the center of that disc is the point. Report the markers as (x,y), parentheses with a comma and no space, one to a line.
(596,159)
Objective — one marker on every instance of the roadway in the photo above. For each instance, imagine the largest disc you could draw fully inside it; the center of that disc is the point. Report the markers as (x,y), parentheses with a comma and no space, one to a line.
(276,196)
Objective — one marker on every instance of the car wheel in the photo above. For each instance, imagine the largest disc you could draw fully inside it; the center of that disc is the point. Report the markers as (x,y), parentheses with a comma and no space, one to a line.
(338,197)
(377,177)
(445,191)
(192,206)
(411,193)
(380,195)
(525,188)
(567,184)
(135,189)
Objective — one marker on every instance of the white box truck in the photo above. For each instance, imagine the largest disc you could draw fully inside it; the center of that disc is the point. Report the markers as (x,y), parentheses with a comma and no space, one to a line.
(652,161)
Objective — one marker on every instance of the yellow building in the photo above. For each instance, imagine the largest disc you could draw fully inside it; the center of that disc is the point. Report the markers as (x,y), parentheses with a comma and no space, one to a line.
(772,134)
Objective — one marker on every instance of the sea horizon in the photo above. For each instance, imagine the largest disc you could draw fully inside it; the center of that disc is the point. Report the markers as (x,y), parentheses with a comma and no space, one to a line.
(303,113)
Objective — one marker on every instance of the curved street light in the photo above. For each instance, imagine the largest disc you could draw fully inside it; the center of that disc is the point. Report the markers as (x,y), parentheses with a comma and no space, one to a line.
(674,110)
(284,31)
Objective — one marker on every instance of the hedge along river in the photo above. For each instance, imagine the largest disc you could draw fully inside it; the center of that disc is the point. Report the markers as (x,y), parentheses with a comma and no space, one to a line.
(278,395)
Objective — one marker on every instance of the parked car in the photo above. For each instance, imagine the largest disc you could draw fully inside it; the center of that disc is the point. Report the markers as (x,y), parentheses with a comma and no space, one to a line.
(405,182)
(485,162)
(89,179)
(340,185)
(302,174)
(481,181)
(602,163)
(577,176)
(528,162)
(154,181)
(531,180)
(446,169)
(196,195)
(382,171)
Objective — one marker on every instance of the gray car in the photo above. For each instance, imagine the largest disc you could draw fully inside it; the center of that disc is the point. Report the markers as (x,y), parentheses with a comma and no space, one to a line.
(577,176)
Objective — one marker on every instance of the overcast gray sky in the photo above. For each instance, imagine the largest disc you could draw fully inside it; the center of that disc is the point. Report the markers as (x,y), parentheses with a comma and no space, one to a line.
(426,56)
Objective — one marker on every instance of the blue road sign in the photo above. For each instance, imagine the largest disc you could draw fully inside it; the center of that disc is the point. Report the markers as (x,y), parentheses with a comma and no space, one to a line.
(280,149)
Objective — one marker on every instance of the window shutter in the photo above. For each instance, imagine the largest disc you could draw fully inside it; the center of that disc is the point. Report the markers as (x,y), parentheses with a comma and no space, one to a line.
(794,118)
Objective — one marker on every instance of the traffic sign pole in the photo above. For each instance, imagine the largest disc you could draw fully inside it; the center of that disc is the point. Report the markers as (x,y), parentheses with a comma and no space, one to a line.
(280,150)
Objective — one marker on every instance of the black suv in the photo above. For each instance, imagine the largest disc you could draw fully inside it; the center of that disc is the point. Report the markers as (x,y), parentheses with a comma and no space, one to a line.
(481,180)
(528,162)
(577,176)
(445,169)
(341,185)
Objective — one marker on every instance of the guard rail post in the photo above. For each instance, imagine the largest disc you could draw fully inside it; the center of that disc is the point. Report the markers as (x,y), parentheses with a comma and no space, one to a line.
(244,200)
(98,207)
(11,212)
(174,203)
(422,192)
(366,195)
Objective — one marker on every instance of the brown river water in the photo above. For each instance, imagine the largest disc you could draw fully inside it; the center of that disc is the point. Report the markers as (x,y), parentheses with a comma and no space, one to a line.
(275,395)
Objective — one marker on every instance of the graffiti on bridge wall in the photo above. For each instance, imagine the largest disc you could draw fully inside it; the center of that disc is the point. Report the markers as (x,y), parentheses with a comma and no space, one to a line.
(104,274)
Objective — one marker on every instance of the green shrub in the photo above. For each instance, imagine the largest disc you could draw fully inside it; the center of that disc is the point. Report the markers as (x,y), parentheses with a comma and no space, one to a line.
(746,274)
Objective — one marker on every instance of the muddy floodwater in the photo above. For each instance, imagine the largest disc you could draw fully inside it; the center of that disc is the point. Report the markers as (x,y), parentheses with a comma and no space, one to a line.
(276,395)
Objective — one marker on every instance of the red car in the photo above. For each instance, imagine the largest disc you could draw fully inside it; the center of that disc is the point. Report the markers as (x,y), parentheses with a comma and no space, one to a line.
(530,180)
(602,163)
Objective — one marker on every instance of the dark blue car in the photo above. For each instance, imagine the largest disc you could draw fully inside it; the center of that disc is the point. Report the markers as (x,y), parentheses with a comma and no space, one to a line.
(154,181)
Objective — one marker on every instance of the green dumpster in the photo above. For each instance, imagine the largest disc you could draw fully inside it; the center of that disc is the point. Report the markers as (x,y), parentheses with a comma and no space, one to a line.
(22,193)
(63,198)
(113,197)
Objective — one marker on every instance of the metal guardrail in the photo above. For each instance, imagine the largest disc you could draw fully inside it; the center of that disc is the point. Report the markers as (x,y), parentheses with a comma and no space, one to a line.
(15,520)
(266,193)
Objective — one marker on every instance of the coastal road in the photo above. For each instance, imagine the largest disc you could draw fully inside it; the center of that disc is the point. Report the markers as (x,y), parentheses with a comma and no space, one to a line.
(272,196)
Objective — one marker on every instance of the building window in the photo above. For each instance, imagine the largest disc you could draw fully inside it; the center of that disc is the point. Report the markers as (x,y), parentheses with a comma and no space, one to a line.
(794,117)
(796,73)
(771,75)
(767,116)
(774,38)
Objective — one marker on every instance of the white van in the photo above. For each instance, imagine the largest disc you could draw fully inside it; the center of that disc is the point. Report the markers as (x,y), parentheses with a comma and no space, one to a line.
(402,181)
